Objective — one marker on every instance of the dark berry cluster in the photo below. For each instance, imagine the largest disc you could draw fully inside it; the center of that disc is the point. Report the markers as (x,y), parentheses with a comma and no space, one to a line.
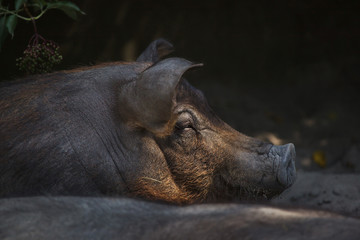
(39,57)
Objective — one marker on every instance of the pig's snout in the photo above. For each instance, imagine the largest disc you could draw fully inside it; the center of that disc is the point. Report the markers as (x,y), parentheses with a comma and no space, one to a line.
(286,172)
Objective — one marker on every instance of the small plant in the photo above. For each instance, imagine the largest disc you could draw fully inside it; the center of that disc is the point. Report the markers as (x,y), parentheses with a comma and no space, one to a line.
(41,55)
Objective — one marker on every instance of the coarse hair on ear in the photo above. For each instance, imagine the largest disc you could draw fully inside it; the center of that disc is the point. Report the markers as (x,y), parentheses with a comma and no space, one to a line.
(156,50)
(148,101)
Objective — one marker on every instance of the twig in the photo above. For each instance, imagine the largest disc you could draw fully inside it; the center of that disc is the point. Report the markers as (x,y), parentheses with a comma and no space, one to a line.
(32,18)
(6,11)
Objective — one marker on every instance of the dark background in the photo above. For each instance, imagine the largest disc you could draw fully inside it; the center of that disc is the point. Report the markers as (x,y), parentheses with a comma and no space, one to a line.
(251,40)
(284,71)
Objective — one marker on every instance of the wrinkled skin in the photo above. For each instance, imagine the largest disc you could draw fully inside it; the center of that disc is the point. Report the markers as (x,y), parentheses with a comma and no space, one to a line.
(135,129)
(121,218)
(215,154)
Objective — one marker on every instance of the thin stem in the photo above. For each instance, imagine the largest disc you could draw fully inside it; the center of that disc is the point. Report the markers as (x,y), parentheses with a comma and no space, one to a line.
(32,18)
(5,11)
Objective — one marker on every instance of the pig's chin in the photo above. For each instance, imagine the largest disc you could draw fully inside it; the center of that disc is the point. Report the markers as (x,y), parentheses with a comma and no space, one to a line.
(264,188)
(255,193)
(228,191)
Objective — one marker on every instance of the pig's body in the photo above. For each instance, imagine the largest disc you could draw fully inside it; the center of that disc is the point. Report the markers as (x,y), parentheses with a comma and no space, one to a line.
(59,134)
(110,218)
(135,129)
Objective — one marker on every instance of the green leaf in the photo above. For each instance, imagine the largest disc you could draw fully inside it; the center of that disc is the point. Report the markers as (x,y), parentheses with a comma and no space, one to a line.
(3,32)
(11,24)
(19,3)
(68,8)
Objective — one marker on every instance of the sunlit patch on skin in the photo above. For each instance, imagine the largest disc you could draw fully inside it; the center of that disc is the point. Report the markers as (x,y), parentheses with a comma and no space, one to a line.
(283,213)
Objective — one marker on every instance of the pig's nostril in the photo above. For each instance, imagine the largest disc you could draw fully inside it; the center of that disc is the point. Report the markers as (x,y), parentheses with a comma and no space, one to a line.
(287,172)
(290,157)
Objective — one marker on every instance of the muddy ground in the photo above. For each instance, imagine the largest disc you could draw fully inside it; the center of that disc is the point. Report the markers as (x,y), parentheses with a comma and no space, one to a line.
(321,119)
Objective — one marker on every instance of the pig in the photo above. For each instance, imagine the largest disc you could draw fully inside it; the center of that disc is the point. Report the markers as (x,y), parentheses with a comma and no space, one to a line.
(125,218)
(134,129)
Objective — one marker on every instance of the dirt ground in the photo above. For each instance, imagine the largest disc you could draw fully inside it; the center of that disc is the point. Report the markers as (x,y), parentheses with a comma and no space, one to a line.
(321,119)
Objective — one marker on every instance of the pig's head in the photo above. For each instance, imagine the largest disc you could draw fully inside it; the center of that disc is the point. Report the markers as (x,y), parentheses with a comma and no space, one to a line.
(188,153)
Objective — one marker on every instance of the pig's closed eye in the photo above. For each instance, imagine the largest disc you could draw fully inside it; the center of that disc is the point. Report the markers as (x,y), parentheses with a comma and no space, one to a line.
(184,126)
(185,123)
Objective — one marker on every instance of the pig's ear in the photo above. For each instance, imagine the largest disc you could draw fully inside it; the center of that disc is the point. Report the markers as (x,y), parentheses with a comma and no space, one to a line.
(156,51)
(149,101)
